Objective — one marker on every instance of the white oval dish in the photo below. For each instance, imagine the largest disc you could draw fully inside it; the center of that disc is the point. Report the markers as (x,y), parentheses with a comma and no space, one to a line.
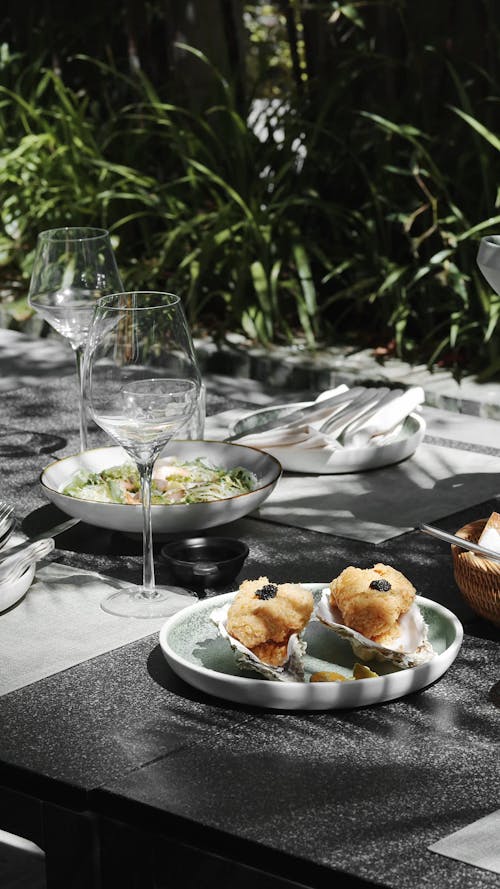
(166,519)
(323,461)
(196,652)
(10,593)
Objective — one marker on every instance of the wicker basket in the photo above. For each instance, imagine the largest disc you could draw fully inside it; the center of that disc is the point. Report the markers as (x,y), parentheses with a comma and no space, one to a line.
(477,578)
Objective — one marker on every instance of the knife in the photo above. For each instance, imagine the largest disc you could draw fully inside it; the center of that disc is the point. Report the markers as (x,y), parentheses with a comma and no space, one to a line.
(52,532)
(305,413)
(460,541)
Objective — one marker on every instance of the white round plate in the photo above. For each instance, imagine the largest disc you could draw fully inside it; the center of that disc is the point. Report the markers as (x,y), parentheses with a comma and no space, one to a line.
(321,461)
(192,647)
(166,519)
(10,593)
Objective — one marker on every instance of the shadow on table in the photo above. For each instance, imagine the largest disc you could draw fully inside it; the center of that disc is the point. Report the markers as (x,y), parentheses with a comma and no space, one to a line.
(165,677)
(28,443)
(81,538)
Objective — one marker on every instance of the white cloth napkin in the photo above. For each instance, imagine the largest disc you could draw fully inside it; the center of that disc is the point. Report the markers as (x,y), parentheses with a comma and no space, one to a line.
(363,416)
(477,844)
(60,623)
(385,419)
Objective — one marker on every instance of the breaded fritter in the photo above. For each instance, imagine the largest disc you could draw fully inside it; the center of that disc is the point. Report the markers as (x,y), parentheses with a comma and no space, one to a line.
(264,615)
(371,600)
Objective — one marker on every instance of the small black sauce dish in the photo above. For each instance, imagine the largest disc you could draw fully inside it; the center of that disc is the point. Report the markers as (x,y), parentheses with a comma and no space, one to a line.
(203,563)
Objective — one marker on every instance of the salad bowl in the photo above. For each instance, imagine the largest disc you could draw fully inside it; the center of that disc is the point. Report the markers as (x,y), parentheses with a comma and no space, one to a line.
(172,518)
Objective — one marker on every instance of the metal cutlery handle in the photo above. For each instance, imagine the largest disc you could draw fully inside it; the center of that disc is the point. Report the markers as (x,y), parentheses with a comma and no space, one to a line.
(460,541)
(7,522)
(12,570)
(6,513)
(52,532)
(352,412)
(306,414)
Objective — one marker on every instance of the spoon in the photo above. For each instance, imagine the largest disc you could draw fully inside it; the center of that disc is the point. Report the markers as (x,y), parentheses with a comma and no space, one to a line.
(464,544)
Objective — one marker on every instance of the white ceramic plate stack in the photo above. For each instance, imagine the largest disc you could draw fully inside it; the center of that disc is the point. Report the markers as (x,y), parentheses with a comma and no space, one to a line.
(323,461)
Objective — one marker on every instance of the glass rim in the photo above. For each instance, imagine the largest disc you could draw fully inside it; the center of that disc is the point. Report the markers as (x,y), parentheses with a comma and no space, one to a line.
(104,301)
(63,233)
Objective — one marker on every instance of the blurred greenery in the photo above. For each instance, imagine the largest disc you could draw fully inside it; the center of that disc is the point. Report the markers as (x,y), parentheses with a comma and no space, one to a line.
(323,178)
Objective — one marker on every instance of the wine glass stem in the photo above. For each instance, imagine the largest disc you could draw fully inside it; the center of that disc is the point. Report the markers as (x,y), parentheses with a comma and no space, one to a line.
(148,571)
(79,351)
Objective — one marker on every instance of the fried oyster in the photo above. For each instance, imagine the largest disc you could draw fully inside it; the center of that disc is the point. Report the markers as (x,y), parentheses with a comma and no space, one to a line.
(375,610)
(264,623)
(371,600)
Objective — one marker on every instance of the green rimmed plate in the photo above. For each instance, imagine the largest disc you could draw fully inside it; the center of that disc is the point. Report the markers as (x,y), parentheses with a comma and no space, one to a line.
(194,650)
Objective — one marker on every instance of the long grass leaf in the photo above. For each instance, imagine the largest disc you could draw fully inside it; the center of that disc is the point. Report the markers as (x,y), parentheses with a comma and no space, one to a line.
(478,127)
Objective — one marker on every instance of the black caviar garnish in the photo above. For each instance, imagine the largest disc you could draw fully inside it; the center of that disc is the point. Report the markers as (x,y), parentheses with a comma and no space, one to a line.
(381,585)
(267,592)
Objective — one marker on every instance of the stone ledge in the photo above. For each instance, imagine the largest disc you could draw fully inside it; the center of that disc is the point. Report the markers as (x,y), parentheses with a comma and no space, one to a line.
(294,368)
(26,360)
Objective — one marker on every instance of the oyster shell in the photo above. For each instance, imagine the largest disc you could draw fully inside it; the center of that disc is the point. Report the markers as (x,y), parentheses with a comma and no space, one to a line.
(291,671)
(410,649)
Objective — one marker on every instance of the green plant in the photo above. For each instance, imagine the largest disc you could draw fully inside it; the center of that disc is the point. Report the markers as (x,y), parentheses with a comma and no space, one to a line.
(236,221)
(53,170)
(341,200)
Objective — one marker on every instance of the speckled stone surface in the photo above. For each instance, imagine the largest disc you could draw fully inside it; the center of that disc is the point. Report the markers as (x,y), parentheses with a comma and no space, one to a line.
(363,791)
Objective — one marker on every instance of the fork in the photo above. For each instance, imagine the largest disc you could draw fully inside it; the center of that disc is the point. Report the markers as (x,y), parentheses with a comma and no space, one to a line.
(359,406)
(12,568)
(6,522)
(6,512)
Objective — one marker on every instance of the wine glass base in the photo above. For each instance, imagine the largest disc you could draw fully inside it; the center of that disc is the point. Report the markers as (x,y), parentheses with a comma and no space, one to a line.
(132,602)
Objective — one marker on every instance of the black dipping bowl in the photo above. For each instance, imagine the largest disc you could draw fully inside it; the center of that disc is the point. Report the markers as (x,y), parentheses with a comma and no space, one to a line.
(205,562)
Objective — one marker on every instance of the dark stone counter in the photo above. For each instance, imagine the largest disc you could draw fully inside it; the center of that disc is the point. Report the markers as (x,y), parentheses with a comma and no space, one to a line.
(187,788)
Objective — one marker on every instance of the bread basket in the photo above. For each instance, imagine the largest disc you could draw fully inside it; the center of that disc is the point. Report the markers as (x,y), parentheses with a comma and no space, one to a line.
(477,578)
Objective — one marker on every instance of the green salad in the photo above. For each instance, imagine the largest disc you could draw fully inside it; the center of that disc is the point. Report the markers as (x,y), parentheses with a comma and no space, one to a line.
(174,481)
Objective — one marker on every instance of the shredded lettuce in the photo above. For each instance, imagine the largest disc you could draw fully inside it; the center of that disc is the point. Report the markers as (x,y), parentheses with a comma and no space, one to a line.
(174,481)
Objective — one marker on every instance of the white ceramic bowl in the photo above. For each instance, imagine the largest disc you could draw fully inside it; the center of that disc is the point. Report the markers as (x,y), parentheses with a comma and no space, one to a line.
(10,593)
(13,592)
(166,519)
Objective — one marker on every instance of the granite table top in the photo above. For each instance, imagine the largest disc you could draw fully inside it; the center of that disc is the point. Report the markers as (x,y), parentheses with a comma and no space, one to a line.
(300,797)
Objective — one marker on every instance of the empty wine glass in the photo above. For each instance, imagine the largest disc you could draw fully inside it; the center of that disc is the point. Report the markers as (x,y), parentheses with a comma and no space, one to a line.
(142,384)
(488,260)
(72,268)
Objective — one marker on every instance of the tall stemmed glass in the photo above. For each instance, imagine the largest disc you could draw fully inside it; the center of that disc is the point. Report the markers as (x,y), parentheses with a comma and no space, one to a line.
(72,268)
(488,260)
(142,384)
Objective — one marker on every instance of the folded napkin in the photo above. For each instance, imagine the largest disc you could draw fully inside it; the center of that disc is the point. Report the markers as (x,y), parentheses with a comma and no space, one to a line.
(476,844)
(385,419)
(361,417)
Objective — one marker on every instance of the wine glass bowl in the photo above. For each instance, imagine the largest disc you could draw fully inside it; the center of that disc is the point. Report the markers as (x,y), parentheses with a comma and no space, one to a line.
(488,260)
(72,268)
(146,413)
(142,382)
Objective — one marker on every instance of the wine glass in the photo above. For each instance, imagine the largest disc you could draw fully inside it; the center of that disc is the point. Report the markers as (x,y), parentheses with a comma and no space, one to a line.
(71,269)
(488,260)
(143,384)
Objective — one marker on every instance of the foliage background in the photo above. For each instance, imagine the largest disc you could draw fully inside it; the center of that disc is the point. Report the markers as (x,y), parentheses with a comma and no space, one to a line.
(305,172)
